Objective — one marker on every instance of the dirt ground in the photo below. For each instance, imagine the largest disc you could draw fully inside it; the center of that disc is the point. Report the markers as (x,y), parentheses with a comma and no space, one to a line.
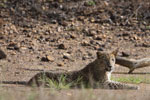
(63,35)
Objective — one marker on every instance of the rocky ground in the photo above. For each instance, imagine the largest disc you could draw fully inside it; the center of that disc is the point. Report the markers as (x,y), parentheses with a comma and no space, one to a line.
(64,35)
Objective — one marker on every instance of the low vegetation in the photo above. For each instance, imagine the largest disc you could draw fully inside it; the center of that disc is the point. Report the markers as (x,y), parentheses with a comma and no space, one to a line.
(131,79)
(61,83)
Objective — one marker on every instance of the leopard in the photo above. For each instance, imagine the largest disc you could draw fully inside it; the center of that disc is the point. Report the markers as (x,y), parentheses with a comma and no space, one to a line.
(96,74)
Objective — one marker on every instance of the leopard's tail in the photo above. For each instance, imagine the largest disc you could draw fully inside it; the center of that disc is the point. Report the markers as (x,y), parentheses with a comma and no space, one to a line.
(14,82)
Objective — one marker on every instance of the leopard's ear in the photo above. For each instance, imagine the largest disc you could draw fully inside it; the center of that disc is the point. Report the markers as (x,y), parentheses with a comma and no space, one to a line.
(99,54)
(115,52)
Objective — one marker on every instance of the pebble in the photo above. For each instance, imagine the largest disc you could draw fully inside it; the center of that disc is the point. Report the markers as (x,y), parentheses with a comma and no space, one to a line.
(2,54)
(66,56)
(85,43)
(62,46)
(47,58)
(98,37)
(50,58)
(13,46)
(73,36)
(146,45)
(60,64)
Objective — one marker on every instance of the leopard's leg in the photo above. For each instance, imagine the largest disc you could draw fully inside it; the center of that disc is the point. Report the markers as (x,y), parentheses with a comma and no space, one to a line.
(117,85)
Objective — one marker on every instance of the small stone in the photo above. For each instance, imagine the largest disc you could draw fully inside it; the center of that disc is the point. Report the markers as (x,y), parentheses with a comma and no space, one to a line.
(60,64)
(96,47)
(81,18)
(53,21)
(2,54)
(106,3)
(98,38)
(13,46)
(93,32)
(135,37)
(103,27)
(85,43)
(121,29)
(61,46)
(47,58)
(63,23)
(92,19)
(125,34)
(50,58)
(59,29)
(73,36)
(44,59)
(146,45)
(104,36)
(100,49)
(126,38)
(24,48)
(88,32)
(66,56)
(16,47)
(92,41)
(13,53)
(16,73)
(1,22)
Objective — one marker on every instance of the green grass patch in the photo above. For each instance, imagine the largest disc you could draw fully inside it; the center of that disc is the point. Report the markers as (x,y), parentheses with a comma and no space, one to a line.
(90,3)
(131,79)
(147,27)
(61,82)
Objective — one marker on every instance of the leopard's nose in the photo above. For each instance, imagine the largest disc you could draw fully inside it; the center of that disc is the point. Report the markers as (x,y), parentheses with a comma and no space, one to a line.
(108,69)
(110,66)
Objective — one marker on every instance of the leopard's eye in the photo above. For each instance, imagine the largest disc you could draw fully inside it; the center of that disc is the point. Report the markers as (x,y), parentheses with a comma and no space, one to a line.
(113,59)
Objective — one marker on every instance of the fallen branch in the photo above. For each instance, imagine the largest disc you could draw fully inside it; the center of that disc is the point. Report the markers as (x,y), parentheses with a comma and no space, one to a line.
(133,64)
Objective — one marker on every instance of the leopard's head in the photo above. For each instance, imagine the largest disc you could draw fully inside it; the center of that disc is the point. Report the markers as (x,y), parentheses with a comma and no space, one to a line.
(107,60)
